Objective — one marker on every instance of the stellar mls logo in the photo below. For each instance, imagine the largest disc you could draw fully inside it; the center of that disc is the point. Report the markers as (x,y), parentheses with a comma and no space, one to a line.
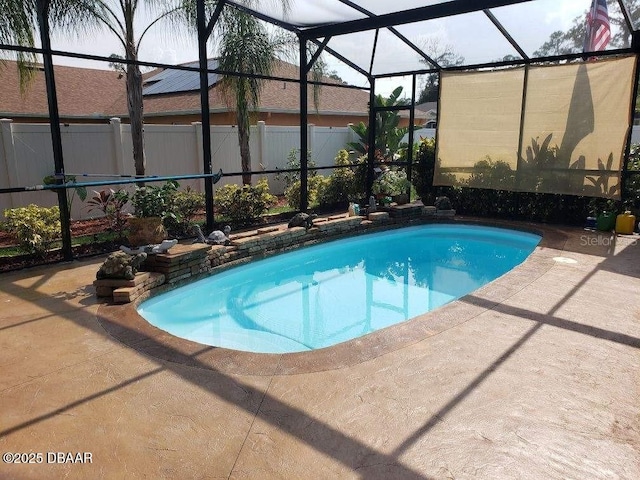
(601,241)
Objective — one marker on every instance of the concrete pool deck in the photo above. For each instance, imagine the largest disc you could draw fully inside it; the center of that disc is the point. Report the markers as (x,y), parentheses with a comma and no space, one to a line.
(536,375)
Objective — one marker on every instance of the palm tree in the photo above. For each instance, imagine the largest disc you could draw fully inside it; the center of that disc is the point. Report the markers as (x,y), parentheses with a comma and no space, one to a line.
(119,18)
(243,33)
(17,27)
(18,21)
(245,46)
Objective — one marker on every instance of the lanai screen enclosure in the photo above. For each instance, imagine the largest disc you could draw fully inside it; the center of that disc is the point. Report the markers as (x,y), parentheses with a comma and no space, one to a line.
(501,106)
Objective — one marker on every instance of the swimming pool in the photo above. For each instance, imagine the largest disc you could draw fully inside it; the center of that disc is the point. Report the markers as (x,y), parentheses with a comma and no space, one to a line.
(323,295)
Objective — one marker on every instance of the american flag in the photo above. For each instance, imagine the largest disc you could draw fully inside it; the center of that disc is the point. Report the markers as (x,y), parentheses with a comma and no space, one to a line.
(598,29)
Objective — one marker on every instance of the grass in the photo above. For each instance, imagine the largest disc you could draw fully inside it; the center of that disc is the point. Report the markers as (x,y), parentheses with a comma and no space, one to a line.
(279,209)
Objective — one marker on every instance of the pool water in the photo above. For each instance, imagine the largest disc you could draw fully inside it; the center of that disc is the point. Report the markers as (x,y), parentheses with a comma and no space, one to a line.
(319,296)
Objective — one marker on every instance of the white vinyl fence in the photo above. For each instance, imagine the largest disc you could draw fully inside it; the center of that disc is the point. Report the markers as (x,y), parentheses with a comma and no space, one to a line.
(26,155)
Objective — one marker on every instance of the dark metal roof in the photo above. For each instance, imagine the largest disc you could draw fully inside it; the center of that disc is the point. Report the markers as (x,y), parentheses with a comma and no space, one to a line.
(174,81)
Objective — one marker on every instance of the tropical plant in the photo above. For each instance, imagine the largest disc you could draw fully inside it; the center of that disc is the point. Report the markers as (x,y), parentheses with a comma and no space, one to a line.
(246,47)
(119,18)
(293,163)
(185,205)
(388,135)
(69,180)
(17,26)
(424,164)
(340,186)
(315,185)
(84,16)
(111,203)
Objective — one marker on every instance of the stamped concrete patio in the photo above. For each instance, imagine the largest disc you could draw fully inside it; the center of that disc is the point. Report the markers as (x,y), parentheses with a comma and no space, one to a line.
(536,375)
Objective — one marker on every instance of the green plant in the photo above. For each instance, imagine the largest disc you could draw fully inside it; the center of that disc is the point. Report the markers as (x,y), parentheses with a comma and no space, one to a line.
(153,201)
(424,165)
(388,134)
(111,203)
(242,204)
(34,227)
(391,182)
(71,192)
(315,184)
(185,205)
(293,162)
(340,186)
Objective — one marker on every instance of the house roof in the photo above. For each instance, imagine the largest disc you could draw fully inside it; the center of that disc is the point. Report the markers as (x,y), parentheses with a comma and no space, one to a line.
(277,96)
(427,106)
(81,92)
(90,93)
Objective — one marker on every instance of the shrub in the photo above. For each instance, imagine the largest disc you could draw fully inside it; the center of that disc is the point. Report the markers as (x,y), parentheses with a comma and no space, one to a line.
(242,204)
(34,227)
(293,162)
(185,205)
(340,186)
(112,204)
(153,201)
(391,182)
(315,184)
(424,164)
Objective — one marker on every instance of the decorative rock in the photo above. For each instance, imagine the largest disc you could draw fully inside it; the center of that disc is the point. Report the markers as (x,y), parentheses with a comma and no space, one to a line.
(442,203)
(216,237)
(163,247)
(121,265)
(302,220)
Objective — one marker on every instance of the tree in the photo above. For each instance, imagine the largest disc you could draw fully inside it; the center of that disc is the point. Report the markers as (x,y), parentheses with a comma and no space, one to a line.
(571,41)
(246,47)
(18,23)
(17,26)
(444,56)
(119,18)
(333,74)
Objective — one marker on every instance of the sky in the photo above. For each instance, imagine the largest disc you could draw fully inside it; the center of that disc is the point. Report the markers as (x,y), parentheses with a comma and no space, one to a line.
(471,35)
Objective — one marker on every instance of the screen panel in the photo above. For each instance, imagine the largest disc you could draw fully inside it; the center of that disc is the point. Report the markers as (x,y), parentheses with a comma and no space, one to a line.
(479,127)
(575,124)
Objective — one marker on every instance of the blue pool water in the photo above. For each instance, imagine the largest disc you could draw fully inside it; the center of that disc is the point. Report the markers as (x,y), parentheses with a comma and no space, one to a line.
(329,293)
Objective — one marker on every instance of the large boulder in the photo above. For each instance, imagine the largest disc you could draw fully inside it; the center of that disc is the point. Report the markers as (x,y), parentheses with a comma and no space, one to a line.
(121,265)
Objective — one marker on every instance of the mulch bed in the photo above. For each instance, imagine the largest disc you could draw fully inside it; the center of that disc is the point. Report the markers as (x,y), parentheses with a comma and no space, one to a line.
(78,228)
(100,225)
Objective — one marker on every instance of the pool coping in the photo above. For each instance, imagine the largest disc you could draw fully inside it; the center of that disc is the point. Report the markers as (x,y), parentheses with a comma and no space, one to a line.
(123,323)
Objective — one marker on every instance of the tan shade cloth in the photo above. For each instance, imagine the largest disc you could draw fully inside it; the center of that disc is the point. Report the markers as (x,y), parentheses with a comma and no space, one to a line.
(479,119)
(576,121)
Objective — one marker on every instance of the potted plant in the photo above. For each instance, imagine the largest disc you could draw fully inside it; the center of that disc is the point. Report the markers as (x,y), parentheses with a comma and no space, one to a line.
(394,184)
(152,205)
